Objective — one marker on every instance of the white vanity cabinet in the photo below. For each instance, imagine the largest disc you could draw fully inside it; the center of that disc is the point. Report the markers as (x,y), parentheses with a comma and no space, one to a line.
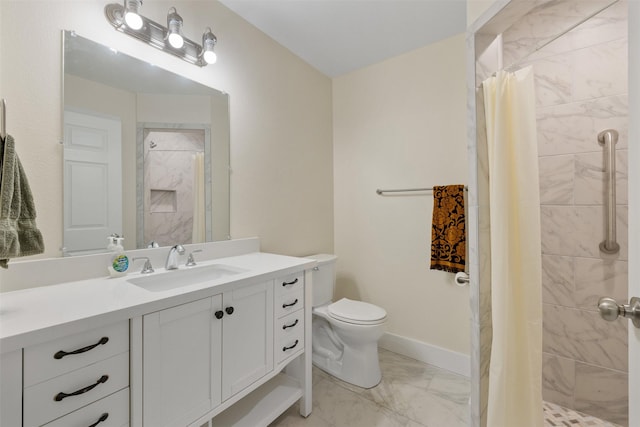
(199,354)
(247,336)
(230,351)
(78,380)
(290,319)
(181,362)
(11,388)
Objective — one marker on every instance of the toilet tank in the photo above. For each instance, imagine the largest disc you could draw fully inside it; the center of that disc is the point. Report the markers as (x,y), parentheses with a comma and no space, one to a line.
(324,278)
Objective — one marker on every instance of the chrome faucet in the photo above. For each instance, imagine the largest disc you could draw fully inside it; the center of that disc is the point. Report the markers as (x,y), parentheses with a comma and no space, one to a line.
(172,258)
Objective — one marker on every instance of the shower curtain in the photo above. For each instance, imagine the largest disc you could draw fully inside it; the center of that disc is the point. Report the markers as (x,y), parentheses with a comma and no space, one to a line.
(198,235)
(515,373)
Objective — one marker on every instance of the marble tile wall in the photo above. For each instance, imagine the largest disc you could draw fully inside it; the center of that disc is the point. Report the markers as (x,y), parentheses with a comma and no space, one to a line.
(581,89)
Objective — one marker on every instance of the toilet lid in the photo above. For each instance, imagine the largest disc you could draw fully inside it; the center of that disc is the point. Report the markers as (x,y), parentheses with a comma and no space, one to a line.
(356,311)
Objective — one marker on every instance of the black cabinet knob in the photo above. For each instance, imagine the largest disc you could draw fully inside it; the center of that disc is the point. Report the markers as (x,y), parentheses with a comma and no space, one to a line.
(229,310)
(219,314)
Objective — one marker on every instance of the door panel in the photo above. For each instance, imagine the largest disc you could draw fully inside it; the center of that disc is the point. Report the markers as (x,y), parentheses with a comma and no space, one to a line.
(247,349)
(177,367)
(92,182)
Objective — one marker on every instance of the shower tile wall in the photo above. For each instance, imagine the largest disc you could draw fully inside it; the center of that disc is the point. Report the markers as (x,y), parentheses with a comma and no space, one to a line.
(581,89)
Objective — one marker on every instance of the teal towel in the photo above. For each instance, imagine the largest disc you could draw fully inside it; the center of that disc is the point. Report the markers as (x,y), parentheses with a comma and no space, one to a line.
(19,235)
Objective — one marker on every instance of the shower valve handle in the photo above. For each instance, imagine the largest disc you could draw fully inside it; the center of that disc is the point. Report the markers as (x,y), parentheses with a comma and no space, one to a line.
(610,310)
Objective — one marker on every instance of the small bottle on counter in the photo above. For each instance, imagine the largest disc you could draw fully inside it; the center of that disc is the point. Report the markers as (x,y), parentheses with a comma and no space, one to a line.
(119,260)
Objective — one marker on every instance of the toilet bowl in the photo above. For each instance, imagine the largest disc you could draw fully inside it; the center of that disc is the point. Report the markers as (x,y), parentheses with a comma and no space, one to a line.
(347,348)
(345,333)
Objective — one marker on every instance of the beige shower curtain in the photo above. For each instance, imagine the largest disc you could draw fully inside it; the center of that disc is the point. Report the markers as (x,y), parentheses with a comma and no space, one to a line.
(198,235)
(515,377)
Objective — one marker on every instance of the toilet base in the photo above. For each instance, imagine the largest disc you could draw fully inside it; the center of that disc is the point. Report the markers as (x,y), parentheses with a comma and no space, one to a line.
(368,378)
(357,365)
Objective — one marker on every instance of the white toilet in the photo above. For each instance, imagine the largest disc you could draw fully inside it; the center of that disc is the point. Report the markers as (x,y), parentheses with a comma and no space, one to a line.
(346,332)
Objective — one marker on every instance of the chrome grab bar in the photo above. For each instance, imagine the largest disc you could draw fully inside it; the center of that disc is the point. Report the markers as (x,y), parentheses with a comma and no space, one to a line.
(608,139)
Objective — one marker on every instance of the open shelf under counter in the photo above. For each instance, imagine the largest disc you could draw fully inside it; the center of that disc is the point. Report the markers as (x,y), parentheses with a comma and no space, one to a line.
(263,405)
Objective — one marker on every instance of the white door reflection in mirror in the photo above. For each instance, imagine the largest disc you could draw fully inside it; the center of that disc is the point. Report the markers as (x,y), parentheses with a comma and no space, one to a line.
(92,182)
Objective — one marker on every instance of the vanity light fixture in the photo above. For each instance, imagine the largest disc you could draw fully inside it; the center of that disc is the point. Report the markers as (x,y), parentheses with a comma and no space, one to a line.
(127,19)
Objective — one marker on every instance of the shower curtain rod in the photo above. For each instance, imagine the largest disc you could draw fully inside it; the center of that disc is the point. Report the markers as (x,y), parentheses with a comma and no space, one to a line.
(543,45)
(554,38)
(404,190)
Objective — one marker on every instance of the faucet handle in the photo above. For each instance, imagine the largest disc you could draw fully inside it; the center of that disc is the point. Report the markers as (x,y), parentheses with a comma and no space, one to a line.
(147,268)
(190,260)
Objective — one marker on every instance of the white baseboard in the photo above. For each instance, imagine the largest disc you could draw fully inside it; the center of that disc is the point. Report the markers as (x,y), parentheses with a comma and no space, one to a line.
(427,353)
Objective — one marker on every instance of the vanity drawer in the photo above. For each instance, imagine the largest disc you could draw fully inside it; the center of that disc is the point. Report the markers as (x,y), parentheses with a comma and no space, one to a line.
(289,302)
(40,362)
(289,335)
(289,344)
(289,326)
(113,410)
(91,383)
(288,284)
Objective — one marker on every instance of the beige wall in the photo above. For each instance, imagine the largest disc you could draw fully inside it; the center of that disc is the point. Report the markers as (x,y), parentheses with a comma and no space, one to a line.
(398,124)
(475,8)
(281,150)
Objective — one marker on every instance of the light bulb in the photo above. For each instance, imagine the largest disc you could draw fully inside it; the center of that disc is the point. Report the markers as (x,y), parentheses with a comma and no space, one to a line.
(176,40)
(131,15)
(208,43)
(210,57)
(174,25)
(133,20)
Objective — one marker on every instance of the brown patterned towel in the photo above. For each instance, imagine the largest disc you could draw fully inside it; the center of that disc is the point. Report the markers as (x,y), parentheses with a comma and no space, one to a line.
(448,236)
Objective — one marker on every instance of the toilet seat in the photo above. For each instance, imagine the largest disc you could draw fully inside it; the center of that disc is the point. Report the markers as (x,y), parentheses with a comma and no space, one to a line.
(356,312)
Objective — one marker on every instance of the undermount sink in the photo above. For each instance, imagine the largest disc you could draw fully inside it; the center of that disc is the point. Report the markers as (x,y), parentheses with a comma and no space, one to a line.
(184,277)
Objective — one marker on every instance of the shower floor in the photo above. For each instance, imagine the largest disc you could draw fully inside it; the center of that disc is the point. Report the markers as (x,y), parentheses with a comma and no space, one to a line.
(555,415)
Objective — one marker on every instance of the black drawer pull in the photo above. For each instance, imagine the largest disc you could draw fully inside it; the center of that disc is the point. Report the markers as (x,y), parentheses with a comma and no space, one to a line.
(61,354)
(291,325)
(229,310)
(102,418)
(290,347)
(290,283)
(219,314)
(289,305)
(61,395)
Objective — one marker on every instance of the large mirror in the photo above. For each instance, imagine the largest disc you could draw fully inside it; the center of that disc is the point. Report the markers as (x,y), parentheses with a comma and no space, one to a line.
(146,153)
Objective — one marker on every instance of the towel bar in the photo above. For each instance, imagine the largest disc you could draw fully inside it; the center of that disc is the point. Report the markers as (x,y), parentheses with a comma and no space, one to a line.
(403,190)
(3,119)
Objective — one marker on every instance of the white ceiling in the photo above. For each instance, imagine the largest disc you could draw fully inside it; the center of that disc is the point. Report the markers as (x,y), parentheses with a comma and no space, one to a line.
(339,36)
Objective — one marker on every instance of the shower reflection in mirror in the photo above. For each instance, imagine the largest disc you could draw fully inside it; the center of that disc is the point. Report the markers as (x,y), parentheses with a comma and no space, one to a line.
(172,201)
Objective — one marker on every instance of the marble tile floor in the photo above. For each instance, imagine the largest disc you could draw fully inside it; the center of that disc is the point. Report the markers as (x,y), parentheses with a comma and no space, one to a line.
(411,394)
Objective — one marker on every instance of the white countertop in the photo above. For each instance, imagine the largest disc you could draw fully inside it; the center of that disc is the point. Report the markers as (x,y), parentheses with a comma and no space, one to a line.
(36,315)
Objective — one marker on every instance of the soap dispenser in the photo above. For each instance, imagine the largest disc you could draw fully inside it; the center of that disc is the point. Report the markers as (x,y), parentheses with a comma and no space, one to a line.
(119,260)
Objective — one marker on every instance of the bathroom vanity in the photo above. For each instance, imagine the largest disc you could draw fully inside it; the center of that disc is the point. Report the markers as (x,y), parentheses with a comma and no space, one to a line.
(224,343)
